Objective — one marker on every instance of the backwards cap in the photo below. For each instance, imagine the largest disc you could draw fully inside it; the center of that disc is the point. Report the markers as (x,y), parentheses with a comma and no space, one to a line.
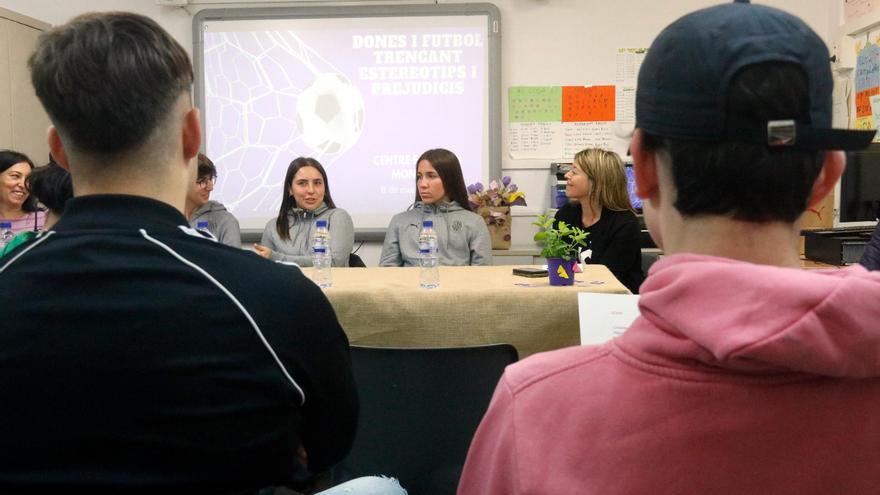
(683,82)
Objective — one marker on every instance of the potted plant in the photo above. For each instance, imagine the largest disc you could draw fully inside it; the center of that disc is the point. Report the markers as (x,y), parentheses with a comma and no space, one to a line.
(493,204)
(560,246)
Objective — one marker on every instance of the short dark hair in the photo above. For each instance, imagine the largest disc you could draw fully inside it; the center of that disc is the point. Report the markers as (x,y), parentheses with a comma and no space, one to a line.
(108,80)
(8,158)
(206,167)
(288,203)
(51,185)
(749,182)
(449,169)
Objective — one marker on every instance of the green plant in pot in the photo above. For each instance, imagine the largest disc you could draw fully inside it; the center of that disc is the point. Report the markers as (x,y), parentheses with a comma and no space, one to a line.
(561,244)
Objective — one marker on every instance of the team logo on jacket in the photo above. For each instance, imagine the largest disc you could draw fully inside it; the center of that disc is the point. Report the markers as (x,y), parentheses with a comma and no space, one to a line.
(456,225)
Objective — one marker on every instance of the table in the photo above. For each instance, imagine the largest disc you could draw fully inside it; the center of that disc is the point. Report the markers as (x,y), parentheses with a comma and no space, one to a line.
(473,306)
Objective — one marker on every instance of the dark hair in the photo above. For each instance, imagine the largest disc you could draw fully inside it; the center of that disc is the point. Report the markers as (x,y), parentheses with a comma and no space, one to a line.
(288,203)
(108,80)
(51,185)
(8,158)
(449,169)
(748,182)
(206,167)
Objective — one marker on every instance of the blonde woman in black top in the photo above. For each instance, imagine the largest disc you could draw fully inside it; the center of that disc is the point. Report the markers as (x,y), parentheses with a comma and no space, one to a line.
(599,204)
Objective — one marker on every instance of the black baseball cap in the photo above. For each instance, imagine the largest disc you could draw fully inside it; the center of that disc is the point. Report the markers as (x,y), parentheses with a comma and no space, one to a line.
(683,81)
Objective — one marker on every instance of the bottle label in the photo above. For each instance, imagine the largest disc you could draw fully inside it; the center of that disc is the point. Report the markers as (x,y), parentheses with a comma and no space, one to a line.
(319,250)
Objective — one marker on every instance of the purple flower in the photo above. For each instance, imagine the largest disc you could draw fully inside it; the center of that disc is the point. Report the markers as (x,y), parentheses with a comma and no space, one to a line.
(471,189)
(512,188)
(505,180)
(479,186)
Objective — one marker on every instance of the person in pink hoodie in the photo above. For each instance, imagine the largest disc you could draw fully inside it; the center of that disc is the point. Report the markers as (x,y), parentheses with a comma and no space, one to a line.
(744,373)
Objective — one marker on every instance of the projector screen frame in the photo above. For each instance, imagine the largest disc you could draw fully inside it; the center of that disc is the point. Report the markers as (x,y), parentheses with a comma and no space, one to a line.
(494,90)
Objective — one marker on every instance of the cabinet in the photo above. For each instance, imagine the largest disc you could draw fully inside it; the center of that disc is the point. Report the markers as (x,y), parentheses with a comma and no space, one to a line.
(23,122)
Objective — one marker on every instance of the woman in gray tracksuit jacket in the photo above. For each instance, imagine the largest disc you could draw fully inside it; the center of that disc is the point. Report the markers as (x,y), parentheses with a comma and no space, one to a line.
(306,199)
(441,196)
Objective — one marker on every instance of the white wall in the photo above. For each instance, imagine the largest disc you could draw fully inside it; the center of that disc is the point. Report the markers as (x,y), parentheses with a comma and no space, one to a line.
(545,42)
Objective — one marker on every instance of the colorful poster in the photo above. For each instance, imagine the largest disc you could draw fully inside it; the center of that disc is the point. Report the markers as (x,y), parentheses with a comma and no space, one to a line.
(867,78)
(534,104)
(588,103)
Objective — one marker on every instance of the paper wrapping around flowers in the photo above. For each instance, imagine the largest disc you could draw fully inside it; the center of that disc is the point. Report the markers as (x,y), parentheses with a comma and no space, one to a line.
(497,220)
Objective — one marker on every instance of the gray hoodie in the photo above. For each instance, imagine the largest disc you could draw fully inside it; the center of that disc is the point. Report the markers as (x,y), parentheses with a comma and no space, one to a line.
(462,236)
(221,223)
(302,223)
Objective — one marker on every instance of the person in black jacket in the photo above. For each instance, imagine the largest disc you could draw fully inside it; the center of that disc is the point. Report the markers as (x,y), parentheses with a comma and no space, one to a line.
(596,186)
(871,258)
(137,354)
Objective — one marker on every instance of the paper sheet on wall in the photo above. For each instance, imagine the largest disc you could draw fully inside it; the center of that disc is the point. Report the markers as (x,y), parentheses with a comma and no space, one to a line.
(625,105)
(867,78)
(853,9)
(534,140)
(588,103)
(534,104)
(605,316)
(840,103)
(628,63)
(606,135)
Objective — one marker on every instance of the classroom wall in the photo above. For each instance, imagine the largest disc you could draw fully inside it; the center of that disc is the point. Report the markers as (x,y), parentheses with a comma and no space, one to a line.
(544,42)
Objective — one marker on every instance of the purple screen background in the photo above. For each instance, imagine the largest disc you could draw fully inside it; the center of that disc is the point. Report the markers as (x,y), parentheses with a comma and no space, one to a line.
(253,81)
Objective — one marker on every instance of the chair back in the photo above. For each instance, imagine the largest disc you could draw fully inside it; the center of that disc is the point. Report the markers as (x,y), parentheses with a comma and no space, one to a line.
(420,409)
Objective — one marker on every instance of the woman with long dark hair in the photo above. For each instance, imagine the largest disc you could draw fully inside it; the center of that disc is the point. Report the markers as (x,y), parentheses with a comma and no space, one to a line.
(306,199)
(17,206)
(441,196)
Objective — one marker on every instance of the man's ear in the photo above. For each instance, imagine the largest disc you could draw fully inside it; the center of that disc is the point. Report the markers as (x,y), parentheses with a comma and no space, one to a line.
(832,169)
(644,166)
(192,134)
(56,148)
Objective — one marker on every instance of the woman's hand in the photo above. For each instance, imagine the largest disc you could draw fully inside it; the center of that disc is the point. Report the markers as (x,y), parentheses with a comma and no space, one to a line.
(263,251)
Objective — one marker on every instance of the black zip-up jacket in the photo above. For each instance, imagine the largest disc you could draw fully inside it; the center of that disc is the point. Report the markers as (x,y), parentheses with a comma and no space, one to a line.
(137,355)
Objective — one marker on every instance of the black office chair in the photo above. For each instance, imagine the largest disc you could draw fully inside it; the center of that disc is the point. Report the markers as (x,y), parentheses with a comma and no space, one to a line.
(356,261)
(419,411)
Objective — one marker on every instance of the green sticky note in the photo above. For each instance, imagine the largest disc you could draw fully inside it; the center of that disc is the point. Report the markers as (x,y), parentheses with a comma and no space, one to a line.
(534,104)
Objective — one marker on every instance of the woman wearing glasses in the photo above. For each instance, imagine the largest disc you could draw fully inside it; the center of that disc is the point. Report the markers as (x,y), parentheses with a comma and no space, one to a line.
(199,207)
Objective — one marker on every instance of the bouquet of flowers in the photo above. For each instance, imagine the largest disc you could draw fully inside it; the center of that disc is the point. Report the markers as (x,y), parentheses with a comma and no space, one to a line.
(499,193)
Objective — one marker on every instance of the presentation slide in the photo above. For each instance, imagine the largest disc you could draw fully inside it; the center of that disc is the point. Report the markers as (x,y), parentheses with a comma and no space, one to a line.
(365,96)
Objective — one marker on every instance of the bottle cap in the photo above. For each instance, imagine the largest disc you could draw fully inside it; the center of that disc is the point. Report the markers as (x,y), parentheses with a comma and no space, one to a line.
(5,225)
(320,223)
(427,223)
(202,224)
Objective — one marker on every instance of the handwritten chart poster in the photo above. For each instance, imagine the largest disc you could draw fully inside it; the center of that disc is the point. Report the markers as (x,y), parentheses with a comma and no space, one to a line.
(558,121)
(588,103)
(867,86)
(535,103)
(628,62)
(535,121)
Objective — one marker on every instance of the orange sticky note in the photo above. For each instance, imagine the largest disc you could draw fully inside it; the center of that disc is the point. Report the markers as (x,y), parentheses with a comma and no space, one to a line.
(588,104)
(863,102)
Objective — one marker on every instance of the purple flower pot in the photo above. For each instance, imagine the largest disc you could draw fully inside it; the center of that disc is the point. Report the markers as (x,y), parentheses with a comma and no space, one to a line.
(561,271)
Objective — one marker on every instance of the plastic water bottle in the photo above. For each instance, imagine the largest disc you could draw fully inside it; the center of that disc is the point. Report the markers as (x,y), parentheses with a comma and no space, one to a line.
(6,234)
(202,225)
(321,256)
(429,273)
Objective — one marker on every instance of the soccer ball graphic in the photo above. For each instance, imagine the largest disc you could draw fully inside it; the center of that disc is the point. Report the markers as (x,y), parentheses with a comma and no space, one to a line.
(330,114)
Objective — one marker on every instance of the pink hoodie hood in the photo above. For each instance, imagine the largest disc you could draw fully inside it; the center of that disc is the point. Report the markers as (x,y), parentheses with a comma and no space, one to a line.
(732,315)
